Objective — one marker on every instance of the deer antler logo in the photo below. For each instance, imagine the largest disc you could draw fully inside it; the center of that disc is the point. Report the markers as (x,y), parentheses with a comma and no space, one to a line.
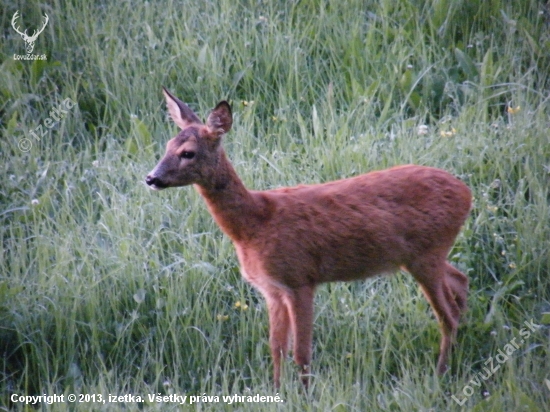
(29,39)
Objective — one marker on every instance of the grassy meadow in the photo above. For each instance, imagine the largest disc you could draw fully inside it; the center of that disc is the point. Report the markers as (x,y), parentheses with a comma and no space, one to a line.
(108,288)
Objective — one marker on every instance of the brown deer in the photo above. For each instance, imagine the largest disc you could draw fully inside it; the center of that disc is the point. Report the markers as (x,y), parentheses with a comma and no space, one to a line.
(290,240)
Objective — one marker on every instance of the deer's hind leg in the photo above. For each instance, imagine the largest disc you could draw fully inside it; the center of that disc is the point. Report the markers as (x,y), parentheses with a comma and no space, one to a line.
(445,291)
(458,283)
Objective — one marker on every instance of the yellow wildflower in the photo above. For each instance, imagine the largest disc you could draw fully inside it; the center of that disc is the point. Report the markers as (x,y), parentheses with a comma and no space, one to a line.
(242,305)
(513,110)
(450,133)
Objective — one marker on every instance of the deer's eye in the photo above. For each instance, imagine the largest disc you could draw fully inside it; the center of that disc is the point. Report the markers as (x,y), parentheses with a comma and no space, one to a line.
(187,155)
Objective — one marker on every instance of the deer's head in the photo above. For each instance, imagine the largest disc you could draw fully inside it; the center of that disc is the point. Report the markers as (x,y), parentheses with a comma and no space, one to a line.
(192,156)
(29,40)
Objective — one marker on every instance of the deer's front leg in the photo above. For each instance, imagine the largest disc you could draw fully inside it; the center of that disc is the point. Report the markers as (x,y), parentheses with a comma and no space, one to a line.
(279,323)
(300,309)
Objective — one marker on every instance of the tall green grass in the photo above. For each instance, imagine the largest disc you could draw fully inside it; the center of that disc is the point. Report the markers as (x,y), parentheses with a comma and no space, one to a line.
(108,288)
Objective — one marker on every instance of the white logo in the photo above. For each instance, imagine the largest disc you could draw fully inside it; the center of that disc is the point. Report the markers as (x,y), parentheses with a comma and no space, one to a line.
(29,40)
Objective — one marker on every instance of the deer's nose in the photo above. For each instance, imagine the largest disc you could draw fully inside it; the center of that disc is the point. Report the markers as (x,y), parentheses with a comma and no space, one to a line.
(154,182)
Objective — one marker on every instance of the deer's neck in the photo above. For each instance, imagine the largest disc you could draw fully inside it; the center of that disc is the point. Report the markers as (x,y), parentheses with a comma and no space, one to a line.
(235,209)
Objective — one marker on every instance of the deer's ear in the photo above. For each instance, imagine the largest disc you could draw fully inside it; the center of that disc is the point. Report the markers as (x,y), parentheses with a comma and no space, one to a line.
(220,119)
(180,113)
